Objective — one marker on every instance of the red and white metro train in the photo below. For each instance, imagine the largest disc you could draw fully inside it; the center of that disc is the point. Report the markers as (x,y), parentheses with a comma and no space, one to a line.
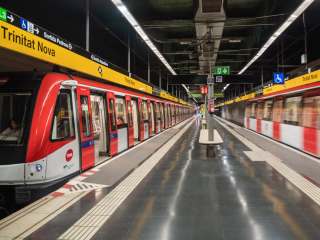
(55,125)
(290,116)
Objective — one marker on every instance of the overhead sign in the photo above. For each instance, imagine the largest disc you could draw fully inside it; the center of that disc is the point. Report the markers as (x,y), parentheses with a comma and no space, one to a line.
(204,90)
(218,95)
(210,80)
(19,35)
(218,79)
(278,78)
(3,14)
(221,70)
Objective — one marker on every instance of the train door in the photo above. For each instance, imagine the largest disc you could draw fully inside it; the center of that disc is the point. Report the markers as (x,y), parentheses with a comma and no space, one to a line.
(145,120)
(112,126)
(122,124)
(162,117)
(85,127)
(166,118)
(64,137)
(99,127)
(152,118)
(135,115)
(157,117)
(130,122)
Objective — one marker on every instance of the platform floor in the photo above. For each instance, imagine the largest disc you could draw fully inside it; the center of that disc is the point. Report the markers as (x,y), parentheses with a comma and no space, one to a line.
(190,196)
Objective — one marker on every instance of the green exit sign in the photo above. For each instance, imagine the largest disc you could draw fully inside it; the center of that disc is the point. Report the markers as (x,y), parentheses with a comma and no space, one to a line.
(221,70)
(3,14)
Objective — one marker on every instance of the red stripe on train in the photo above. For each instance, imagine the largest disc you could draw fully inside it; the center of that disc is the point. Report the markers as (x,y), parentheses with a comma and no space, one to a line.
(276,131)
(310,140)
(259,125)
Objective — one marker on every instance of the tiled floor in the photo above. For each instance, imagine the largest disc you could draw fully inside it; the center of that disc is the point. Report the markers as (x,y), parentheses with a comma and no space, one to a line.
(189,196)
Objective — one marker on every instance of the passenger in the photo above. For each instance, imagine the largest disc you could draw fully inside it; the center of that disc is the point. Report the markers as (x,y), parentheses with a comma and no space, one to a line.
(120,120)
(12,132)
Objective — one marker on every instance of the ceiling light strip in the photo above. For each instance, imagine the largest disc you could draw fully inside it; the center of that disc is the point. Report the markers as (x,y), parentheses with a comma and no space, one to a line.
(133,22)
(303,6)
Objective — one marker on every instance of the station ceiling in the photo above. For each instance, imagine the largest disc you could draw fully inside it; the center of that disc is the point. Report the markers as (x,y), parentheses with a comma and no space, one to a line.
(193,35)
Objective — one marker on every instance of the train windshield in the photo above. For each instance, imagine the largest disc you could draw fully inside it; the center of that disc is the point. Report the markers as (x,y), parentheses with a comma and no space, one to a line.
(13,113)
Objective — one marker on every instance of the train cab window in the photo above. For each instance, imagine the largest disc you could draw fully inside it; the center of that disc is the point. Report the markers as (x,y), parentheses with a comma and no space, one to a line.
(145,114)
(112,115)
(311,112)
(63,125)
(253,110)
(267,110)
(292,111)
(14,108)
(85,116)
(121,111)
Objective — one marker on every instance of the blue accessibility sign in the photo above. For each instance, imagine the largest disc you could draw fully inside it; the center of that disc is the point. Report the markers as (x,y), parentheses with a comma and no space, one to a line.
(23,24)
(278,78)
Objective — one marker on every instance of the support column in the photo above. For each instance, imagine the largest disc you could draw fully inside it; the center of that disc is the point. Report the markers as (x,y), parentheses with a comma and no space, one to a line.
(129,54)
(262,76)
(160,80)
(305,38)
(88,25)
(149,72)
(167,83)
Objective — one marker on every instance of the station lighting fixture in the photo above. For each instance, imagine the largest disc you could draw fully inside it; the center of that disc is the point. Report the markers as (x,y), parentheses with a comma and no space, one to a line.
(133,22)
(225,87)
(303,6)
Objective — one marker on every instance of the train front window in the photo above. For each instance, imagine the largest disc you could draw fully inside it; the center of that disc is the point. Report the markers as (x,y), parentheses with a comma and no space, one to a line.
(14,108)
(63,127)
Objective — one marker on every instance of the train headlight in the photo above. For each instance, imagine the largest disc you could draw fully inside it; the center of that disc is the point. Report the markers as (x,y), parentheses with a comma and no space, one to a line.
(39,167)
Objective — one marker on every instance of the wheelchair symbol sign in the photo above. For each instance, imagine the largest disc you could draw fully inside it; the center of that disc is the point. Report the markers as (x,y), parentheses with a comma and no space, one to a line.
(278,78)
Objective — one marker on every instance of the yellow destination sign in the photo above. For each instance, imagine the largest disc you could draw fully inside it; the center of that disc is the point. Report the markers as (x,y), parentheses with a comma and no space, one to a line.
(18,40)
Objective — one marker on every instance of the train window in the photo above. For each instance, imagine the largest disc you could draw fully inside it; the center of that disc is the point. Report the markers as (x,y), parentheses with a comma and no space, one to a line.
(130,113)
(121,111)
(253,110)
(14,108)
(277,111)
(311,111)
(157,110)
(112,115)
(248,110)
(85,116)
(145,114)
(260,111)
(63,126)
(292,111)
(267,110)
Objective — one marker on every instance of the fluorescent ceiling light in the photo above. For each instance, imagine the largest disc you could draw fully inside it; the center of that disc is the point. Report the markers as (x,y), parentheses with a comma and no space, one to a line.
(133,22)
(225,87)
(303,6)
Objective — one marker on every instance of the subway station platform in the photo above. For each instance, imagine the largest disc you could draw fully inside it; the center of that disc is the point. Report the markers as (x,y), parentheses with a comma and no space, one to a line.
(167,188)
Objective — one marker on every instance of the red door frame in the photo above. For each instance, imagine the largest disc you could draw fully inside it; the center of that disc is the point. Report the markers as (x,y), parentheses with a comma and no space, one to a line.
(112,124)
(162,116)
(86,142)
(149,117)
(141,121)
(130,121)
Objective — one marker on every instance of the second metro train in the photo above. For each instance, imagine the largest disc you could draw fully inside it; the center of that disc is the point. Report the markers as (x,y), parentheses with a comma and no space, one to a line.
(291,116)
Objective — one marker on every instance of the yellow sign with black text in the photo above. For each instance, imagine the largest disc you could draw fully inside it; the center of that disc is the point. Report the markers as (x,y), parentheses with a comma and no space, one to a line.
(18,40)
(295,82)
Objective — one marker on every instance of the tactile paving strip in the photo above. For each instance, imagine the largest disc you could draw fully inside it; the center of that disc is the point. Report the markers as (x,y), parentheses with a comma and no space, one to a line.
(86,227)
